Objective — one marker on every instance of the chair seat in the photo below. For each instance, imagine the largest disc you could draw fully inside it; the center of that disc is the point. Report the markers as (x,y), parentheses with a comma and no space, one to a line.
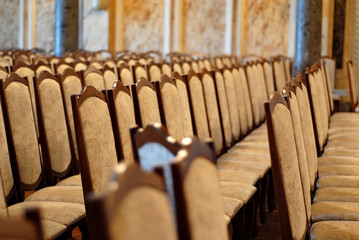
(242,156)
(255,167)
(238,176)
(335,230)
(345,170)
(337,194)
(241,191)
(60,212)
(231,206)
(344,144)
(335,211)
(338,160)
(259,147)
(58,194)
(338,181)
(52,230)
(342,152)
(71,181)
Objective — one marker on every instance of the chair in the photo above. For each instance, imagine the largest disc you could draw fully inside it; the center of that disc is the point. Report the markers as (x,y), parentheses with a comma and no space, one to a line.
(268,72)
(254,91)
(176,67)
(139,71)
(166,69)
(186,67)
(330,69)
(353,89)
(279,74)
(154,71)
(61,66)
(123,115)
(122,210)
(3,72)
(93,77)
(239,88)
(125,74)
(79,66)
(109,76)
(42,66)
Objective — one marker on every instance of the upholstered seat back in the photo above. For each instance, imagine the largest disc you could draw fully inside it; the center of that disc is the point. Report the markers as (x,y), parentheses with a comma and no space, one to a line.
(61,67)
(322,103)
(184,105)
(352,85)
(109,77)
(125,75)
(177,68)
(269,77)
(240,101)
(166,69)
(3,206)
(112,65)
(247,99)
(330,77)
(232,103)
(207,64)
(199,106)
(148,103)
(172,114)
(54,122)
(80,66)
(254,92)
(93,77)
(279,75)
(43,68)
(186,67)
(195,66)
(259,73)
(3,72)
(214,121)
(222,98)
(140,71)
(155,72)
(323,79)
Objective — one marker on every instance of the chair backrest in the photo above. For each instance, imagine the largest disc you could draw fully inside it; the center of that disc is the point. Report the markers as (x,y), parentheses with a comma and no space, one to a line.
(268,71)
(287,181)
(145,98)
(42,66)
(125,74)
(331,66)
(240,101)
(121,105)
(27,227)
(21,134)
(307,127)
(184,104)
(352,85)
(111,64)
(95,137)
(166,69)
(3,203)
(212,106)
(247,98)
(93,77)
(79,66)
(322,91)
(3,72)
(322,77)
(254,92)
(167,90)
(198,197)
(71,83)
(61,66)
(259,72)
(199,105)
(186,67)
(135,206)
(195,67)
(176,67)
(154,71)
(109,76)
(279,74)
(139,71)
(232,103)
(329,85)
(56,149)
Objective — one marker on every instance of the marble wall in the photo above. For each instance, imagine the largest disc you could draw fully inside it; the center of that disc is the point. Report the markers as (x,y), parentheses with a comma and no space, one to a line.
(45,24)
(9,22)
(205,24)
(143,25)
(266,27)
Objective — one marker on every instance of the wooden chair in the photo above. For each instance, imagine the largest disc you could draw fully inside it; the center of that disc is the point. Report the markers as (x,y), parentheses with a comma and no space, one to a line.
(93,77)
(139,71)
(353,89)
(42,66)
(176,67)
(268,72)
(61,66)
(111,64)
(330,69)
(123,115)
(79,66)
(109,76)
(239,88)
(279,74)
(154,71)
(166,69)
(122,211)
(125,74)
(3,72)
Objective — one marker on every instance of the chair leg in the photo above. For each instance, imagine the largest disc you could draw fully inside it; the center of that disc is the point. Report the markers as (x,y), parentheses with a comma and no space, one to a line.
(83,228)
(262,199)
(271,193)
(254,231)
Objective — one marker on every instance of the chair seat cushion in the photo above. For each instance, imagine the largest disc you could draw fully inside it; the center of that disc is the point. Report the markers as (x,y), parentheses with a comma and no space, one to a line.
(251,147)
(338,160)
(58,194)
(51,229)
(335,211)
(345,170)
(241,191)
(231,206)
(334,230)
(60,212)
(337,194)
(342,152)
(238,176)
(255,167)
(241,156)
(348,144)
(338,181)
(71,181)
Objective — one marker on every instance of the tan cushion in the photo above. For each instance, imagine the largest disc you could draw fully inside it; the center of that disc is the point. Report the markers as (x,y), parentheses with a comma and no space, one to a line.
(241,156)
(338,181)
(51,229)
(126,77)
(58,194)
(337,152)
(349,170)
(332,211)
(60,212)
(247,100)
(338,160)
(185,108)
(335,230)
(337,194)
(96,80)
(149,109)
(109,77)
(71,181)
(262,149)
(240,101)
(241,191)
(349,145)
(231,206)
(255,167)
(238,176)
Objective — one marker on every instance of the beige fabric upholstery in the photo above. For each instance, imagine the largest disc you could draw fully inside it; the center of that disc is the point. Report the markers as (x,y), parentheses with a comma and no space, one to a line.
(335,230)
(288,162)
(338,160)
(147,99)
(43,69)
(213,112)
(279,76)
(134,219)
(199,108)
(51,229)
(126,77)
(185,108)
(166,69)
(195,67)
(54,122)
(109,77)
(99,141)
(172,113)
(140,72)
(74,180)
(219,63)
(336,194)
(177,67)
(348,170)
(224,108)
(24,132)
(60,212)
(61,69)
(237,190)
(155,73)
(338,181)
(3,204)
(322,103)
(254,90)
(71,194)
(96,80)
(3,74)
(254,167)
(80,67)
(232,103)
(207,64)
(240,101)
(71,85)
(238,176)
(231,206)
(269,78)
(262,92)
(352,83)
(334,211)
(203,202)
(186,67)
(247,100)
(126,119)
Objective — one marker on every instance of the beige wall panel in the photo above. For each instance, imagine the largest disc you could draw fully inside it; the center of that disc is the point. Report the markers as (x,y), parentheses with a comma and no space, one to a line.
(9,18)
(45,24)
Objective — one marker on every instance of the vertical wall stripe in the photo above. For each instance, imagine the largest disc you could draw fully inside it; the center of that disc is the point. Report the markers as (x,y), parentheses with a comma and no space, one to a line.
(229,27)
(292,28)
(167,27)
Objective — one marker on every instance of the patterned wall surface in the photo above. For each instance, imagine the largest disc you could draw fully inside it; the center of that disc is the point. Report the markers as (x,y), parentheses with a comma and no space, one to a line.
(45,24)
(9,24)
